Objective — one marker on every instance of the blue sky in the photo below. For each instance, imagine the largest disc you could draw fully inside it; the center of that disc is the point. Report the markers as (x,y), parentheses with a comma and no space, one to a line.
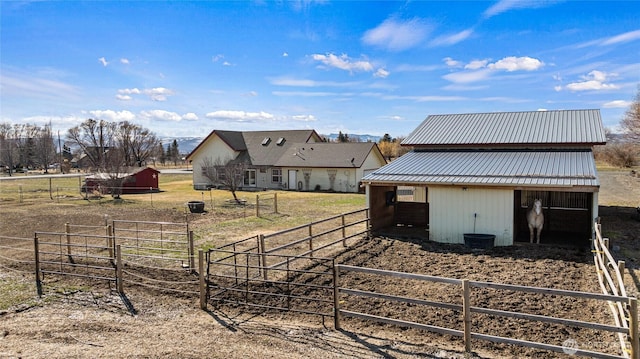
(365,67)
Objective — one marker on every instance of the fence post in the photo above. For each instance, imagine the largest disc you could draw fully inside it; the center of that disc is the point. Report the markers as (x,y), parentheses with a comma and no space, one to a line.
(192,254)
(336,296)
(621,269)
(366,211)
(633,329)
(344,232)
(262,250)
(275,202)
(257,205)
(311,240)
(203,287)
(67,231)
(111,242)
(606,242)
(119,269)
(37,262)
(466,305)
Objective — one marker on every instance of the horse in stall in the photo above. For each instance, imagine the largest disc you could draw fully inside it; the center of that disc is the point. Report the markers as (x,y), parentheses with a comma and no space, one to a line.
(535,219)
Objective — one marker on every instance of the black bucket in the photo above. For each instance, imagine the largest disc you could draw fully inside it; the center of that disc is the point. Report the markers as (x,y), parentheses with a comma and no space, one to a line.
(479,241)
(196,206)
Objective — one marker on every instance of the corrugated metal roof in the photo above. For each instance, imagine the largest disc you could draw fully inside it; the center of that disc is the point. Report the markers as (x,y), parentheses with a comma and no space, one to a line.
(491,168)
(510,128)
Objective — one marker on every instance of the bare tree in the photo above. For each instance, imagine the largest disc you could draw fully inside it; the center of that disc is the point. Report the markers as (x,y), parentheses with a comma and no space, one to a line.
(45,147)
(631,121)
(137,144)
(8,149)
(228,174)
(94,138)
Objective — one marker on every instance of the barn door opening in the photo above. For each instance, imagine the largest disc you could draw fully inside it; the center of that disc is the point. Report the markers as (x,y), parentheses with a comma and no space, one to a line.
(567,216)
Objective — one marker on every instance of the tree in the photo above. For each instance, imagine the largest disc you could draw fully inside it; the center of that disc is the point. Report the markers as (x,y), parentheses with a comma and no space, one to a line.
(94,138)
(45,147)
(8,149)
(631,121)
(343,137)
(175,153)
(228,174)
(136,143)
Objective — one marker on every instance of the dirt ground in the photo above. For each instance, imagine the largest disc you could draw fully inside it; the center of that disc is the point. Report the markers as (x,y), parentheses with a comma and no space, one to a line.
(76,320)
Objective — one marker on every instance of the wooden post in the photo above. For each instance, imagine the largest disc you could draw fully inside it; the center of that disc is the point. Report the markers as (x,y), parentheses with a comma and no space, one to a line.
(203,287)
(633,329)
(275,202)
(50,189)
(344,232)
(119,278)
(336,296)
(621,269)
(466,312)
(192,254)
(67,230)
(367,223)
(37,262)
(257,205)
(606,242)
(264,257)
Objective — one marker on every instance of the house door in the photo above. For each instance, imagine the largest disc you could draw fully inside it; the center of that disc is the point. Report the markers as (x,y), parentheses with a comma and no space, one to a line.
(292,179)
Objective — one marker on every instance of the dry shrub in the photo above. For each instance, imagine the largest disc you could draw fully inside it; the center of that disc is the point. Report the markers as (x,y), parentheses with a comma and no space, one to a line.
(624,155)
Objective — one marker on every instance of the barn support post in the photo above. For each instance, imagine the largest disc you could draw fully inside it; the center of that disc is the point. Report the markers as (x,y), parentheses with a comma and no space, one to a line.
(119,278)
(466,312)
(67,231)
(202,283)
(37,264)
(633,329)
(192,254)
(336,296)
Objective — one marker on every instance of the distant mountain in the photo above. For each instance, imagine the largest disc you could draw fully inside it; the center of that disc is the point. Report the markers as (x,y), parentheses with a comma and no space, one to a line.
(352,136)
(185,144)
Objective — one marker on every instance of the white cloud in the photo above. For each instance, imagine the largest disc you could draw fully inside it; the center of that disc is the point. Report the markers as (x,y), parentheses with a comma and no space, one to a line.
(513,63)
(467,76)
(129,91)
(343,62)
(158,93)
(190,116)
(304,118)
(113,116)
(289,81)
(507,5)
(617,104)
(284,54)
(217,58)
(240,116)
(476,64)
(451,62)
(594,80)
(452,39)
(123,97)
(625,37)
(382,73)
(124,61)
(396,35)
(103,61)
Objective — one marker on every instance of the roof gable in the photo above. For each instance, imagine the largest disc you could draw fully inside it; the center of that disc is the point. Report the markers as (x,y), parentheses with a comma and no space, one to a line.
(562,127)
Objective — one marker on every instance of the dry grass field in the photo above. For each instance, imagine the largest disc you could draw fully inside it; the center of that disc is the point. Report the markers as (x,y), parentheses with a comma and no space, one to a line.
(75,319)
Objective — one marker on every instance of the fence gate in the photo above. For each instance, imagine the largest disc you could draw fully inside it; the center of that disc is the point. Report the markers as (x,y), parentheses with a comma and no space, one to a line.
(295,283)
(71,254)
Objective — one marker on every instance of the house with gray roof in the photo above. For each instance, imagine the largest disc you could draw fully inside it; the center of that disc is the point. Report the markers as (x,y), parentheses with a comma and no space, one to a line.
(288,159)
(480,172)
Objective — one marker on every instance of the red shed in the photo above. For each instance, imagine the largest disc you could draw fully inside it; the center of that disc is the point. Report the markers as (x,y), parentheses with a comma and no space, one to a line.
(143,180)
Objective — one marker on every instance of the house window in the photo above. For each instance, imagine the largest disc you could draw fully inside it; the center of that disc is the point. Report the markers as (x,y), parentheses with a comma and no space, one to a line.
(276,175)
(250,178)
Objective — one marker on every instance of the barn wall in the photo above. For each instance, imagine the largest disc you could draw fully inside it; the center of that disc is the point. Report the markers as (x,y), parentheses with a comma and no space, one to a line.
(380,212)
(452,212)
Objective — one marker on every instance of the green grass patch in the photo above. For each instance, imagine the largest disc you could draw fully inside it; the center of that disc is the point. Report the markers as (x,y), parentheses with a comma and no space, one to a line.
(14,292)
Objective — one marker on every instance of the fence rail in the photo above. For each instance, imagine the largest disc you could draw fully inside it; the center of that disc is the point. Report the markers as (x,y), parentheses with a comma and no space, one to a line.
(467,309)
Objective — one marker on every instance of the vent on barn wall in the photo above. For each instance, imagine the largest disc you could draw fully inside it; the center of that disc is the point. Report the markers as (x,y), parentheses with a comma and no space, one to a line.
(266,141)
(280,141)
